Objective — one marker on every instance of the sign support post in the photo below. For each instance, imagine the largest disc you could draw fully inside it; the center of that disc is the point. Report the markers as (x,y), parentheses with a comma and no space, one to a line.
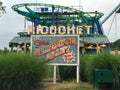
(77,73)
(54,75)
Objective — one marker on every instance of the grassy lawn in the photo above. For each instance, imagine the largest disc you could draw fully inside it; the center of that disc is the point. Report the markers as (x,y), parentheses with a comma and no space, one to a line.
(76,88)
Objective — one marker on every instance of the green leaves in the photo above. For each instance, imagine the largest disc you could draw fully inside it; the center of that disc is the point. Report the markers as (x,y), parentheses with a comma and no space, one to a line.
(104,60)
(20,71)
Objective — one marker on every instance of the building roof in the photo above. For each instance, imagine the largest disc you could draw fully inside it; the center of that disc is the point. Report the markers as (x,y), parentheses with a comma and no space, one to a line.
(20,40)
(94,40)
(89,40)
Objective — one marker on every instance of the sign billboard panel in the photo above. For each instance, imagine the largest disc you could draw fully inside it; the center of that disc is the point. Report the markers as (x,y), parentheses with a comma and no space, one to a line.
(58,49)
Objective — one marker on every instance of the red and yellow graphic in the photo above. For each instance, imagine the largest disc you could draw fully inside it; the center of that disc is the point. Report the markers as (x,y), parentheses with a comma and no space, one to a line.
(62,49)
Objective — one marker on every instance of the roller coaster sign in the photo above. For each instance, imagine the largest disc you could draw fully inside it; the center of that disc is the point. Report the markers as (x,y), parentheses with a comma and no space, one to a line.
(60,30)
(58,49)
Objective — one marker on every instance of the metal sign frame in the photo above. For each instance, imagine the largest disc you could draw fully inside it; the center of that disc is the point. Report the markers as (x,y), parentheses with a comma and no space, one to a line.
(46,43)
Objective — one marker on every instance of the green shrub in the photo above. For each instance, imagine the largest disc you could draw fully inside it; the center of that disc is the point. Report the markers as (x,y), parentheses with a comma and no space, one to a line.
(67,72)
(49,72)
(76,88)
(83,60)
(104,60)
(20,71)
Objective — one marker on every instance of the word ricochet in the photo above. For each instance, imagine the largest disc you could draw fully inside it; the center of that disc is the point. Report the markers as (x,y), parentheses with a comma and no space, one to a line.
(58,30)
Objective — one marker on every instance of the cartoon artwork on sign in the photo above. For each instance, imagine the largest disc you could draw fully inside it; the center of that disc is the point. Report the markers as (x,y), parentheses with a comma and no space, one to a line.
(58,49)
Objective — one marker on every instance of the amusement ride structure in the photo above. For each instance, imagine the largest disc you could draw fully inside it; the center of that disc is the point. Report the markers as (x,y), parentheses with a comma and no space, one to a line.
(41,14)
(49,15)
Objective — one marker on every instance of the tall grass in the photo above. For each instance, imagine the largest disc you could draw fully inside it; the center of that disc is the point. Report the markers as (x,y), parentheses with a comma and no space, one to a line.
(88,64)
(77,88)
(20,71)
(104,60)
(84,61)
(67,72)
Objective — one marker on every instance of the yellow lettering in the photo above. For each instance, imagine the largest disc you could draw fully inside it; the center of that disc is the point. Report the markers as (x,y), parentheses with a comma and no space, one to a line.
(42,28)
(79,30)
(53,30)
(61,30)
(88,29)
(69,30)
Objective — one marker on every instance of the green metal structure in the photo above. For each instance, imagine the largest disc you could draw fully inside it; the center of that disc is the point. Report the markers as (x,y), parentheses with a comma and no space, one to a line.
(116,9)
(56,15)
(48,15)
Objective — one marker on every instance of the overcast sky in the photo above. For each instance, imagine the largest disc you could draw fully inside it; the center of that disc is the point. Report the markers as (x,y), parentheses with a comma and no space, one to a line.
(11,22)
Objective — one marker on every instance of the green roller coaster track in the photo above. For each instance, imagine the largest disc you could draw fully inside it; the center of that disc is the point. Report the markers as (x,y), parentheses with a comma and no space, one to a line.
(67,15)
(56,15)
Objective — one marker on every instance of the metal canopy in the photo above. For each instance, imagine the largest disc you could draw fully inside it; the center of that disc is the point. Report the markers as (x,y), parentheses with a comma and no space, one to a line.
(19,40)
(87,40)
(95,40)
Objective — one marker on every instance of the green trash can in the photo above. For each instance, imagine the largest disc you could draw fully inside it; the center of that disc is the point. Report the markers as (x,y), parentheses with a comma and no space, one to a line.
(103,79)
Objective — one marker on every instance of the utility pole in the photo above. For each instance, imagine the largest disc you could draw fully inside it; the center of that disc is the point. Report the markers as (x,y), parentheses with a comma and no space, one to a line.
(80,5)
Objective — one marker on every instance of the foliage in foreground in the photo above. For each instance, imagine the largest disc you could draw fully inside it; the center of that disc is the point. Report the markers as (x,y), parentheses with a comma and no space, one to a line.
(67,72)
(77,88)
(89,63)
(104,60)
(20,71)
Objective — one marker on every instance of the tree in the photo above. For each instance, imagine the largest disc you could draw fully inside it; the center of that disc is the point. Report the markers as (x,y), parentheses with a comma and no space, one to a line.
(115,45)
